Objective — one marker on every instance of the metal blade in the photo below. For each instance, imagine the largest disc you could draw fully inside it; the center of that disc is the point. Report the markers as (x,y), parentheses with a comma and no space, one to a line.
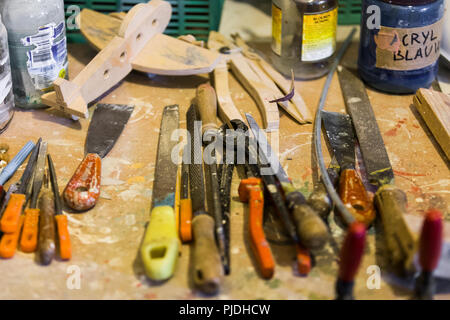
(166,168)
(39,173)
(106,126)
(54,181)
(26,176)
(370,140)
(196,180)
(266,150)
(341,136)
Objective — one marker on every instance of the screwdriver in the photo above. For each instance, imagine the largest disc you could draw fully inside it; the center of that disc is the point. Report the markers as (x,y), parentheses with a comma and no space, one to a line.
(429,254)
(10,219)
(29,238)
(46,224)
(65,247)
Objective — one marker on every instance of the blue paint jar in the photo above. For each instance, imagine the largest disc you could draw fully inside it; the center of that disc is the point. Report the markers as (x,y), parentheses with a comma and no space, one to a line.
(399,45)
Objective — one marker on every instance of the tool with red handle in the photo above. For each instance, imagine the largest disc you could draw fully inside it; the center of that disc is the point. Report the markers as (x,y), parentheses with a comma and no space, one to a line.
(350,259)
(83,190)
(430,247)
(29,238)
(65,247)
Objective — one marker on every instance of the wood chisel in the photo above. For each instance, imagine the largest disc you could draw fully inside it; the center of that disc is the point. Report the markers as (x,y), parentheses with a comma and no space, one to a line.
(29,237)
(389,200)
(341,135)
(65,246)
(311,229)
(14,164)
(251,191)
(207,266)
(108,122)
(351,254)
(207,107)
(185,202)
(430,248)
(11,216)
(46,240)
(160,246)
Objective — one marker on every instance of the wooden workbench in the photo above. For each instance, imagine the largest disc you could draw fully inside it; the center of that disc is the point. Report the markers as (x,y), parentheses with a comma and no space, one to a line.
(106,239)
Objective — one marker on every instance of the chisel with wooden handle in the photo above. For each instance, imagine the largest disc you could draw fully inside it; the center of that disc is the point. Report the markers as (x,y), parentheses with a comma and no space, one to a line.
(160,246)
(46,240)
(389,200)
(208,271)
(65,246)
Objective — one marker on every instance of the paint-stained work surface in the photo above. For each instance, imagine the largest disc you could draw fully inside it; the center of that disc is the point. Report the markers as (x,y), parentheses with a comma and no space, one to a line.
(106,239)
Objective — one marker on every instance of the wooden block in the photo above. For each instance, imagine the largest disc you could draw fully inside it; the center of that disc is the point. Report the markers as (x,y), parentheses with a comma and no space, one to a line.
(434,108)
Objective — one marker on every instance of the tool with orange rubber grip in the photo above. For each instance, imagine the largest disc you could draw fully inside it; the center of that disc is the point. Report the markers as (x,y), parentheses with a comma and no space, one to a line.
(251,191)
(342,140)
(29,238)
(17,200)
(304,263)
(185,202)
(65,246)
(8,244)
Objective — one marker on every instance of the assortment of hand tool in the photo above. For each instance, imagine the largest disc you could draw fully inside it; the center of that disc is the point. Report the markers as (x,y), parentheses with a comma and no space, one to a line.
(33,228)
(31,211)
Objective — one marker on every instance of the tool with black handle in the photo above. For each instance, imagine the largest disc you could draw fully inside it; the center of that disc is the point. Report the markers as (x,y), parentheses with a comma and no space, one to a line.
(311,229)
(389,200)
(207,106)
(341,136)
(207,266)
(62,226)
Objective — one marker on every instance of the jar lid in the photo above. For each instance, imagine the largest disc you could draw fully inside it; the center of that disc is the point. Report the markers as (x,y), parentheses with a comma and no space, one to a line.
(409,2)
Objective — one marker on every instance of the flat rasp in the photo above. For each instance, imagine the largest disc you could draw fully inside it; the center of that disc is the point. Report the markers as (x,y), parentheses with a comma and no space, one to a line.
(389,200)
(207,266)
(341,136)
(159,249)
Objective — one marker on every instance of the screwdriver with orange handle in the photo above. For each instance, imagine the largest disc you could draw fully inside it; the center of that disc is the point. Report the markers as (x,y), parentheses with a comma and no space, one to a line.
(430,247)
(251,191)
(29,238)
(11,216)
(65,247)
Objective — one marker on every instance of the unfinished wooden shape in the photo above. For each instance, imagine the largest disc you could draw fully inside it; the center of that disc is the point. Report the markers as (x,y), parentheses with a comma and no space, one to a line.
(283,84)
(434,107)
(226,107)
(135,42)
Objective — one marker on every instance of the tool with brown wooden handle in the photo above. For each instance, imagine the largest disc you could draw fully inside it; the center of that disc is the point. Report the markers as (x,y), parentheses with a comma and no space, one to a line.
(207,106)
(47,246)
(207,267)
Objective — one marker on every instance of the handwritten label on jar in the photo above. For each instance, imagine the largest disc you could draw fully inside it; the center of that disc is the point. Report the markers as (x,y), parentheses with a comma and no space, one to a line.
(408,48)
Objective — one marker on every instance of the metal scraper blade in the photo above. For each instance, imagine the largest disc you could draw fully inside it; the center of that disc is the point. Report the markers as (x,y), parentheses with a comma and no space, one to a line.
(371,143)
(341,136)
(107,124)
(166,168)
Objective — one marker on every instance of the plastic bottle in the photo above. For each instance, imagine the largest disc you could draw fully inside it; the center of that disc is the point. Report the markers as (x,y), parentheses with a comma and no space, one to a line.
(6,94)
(303,36)
(37,45)
(399,46)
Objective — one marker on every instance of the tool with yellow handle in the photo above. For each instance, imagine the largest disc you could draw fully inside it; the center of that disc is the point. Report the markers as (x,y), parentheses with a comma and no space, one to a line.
(159,249)
(10,218)
(65,247)
(29,238)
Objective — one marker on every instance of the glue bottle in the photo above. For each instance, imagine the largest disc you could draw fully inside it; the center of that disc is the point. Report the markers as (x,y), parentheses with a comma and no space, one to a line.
(303,36)
(37,46)
(6,94)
